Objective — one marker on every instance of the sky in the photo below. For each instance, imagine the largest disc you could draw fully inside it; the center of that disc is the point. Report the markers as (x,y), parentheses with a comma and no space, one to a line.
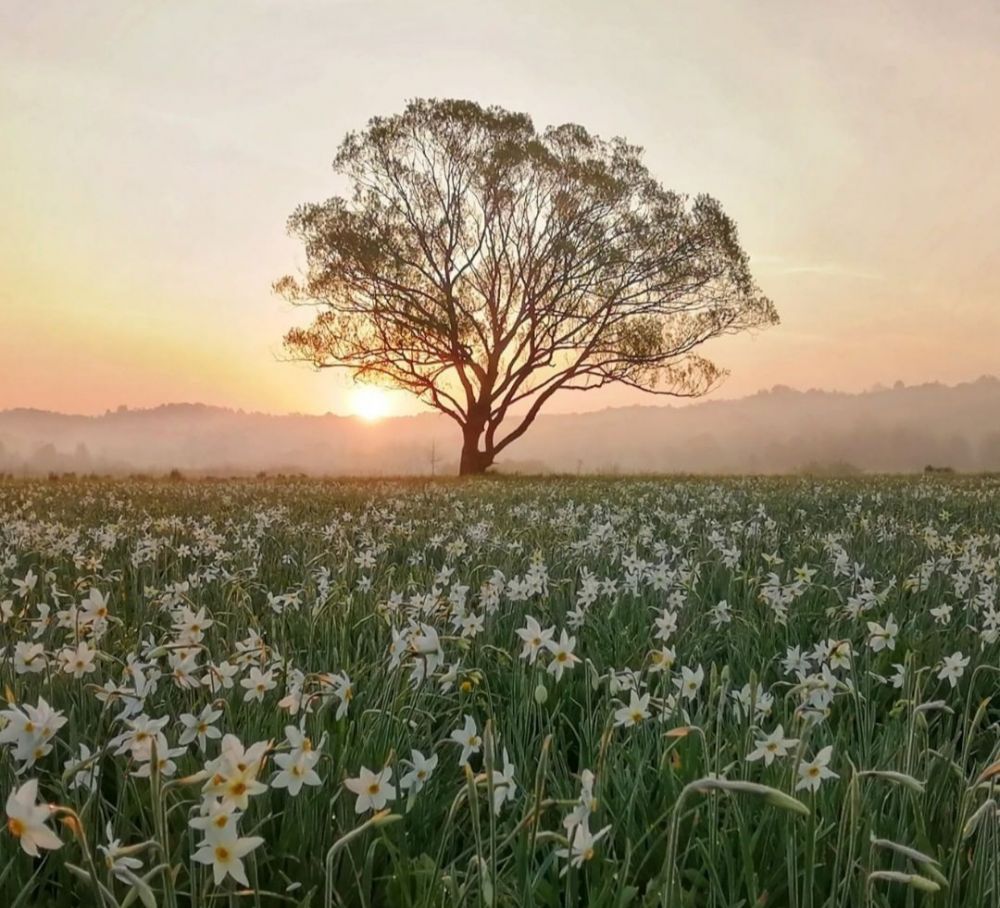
(150,154)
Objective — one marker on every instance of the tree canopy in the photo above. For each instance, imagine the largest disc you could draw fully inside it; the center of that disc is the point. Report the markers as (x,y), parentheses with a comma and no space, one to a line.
(485,266)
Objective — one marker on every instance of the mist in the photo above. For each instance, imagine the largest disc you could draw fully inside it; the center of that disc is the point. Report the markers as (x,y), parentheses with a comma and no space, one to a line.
(902,429)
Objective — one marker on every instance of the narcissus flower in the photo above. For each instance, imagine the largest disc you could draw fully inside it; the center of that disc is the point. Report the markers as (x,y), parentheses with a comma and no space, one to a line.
(374,789)
(812,773)
(26,820)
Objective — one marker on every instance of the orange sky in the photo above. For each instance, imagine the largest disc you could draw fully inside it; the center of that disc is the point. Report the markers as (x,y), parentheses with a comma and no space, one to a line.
(151,153)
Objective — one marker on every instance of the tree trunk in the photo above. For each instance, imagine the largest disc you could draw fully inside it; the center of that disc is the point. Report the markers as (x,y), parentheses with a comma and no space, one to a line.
(474,462)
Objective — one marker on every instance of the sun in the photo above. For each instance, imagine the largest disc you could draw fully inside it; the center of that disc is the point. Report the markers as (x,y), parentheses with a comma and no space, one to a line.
(370,404)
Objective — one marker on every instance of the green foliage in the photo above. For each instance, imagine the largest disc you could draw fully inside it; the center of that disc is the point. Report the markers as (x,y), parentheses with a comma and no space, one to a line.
(908,820)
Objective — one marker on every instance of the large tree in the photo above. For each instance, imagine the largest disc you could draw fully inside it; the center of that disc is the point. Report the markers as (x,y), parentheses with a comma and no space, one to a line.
(485,266)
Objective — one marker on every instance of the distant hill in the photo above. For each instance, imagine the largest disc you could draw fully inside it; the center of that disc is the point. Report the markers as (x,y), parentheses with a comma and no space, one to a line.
(898,429)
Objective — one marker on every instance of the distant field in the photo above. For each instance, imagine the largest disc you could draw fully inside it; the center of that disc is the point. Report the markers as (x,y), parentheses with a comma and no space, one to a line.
(509,692)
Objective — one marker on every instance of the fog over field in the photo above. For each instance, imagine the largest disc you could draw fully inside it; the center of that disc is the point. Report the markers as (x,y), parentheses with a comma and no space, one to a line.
(897,429)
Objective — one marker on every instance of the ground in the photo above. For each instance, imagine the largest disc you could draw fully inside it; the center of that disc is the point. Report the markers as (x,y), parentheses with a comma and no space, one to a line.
(511,692)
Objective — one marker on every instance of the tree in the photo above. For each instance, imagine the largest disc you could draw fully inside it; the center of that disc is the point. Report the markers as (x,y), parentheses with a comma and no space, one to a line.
(485,266)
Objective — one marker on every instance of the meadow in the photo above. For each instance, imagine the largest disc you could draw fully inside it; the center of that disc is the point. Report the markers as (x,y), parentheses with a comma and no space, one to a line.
(560,692)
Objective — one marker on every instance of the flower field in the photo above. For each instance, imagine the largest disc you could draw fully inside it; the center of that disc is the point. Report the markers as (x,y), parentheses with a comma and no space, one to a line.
(723,693)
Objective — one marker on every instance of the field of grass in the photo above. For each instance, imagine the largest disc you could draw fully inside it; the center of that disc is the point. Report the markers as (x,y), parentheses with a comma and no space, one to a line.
(520,693)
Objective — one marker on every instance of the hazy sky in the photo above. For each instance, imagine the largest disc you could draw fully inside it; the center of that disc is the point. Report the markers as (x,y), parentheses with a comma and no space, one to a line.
(151,152)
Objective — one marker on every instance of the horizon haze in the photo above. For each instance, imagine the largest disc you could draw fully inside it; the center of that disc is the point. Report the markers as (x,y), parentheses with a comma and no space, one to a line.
(894,429)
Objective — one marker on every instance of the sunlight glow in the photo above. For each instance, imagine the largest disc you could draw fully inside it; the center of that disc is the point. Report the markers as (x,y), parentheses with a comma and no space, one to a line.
(370,404)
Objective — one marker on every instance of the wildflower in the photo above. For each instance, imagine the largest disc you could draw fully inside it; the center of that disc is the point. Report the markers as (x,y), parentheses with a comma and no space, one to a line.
(257,683)
(581,844)
(25,586)
(812,773)
(420,773)
(426,645)
(666,624)
(296,766)
(26,820)
(117,859)
(29,658)
(953,667)
(762,701)
(941,613)
(233,774)
(374,790)
(225,853)
(840,654)
(690,682)
(771,746)
(83,771)
(534,638)
(343,690)
(795,661)
(586,803)
(200,728)
(504,786)
(562,654)
(448,678)
(883,637)
(31,731)
(220,677)
(296,770)
(636,711)
(215,816)
(662,659)
(468,738)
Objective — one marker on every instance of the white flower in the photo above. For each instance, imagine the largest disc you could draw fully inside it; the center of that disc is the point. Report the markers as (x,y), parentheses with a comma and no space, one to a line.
(77,662)
(233,774)
(200,727)
(225,852)
(562,654)
(883,637)
(83,771)
(582,842)
(689,683)
(373,789)
(29,657)
(26,819)
(504,786)
(812,773)
(666,624)
(121,865)
(635,712)
(771,746)
(468,738)
(257,683)
(296,770)
(953,667)
(535,639)
(420,773)
(662,659)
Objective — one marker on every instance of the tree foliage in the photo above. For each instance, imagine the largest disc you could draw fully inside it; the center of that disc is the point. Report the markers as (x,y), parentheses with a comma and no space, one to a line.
(485,266)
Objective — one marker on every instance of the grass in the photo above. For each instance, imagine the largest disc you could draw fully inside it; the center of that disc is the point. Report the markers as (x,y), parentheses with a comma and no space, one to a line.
(907,820)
